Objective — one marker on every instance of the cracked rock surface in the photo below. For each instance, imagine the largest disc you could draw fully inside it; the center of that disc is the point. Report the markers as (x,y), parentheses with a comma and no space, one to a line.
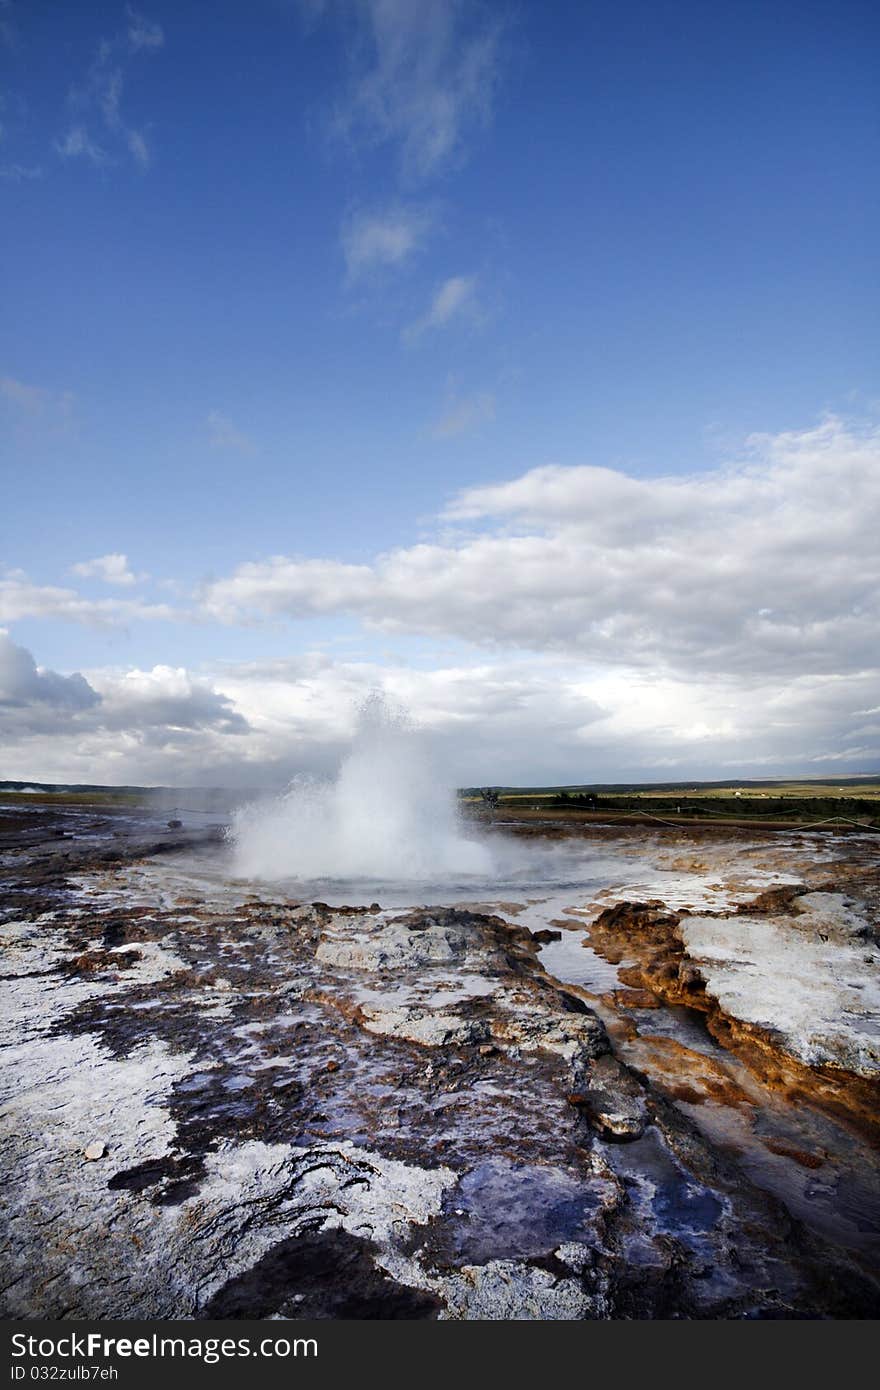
(305,1110)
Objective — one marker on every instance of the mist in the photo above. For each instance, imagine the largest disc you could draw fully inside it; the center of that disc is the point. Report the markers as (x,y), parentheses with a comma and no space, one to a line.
(391,812)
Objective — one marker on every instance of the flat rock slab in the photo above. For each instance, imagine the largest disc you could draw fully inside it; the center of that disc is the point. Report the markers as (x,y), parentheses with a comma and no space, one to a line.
(810,977)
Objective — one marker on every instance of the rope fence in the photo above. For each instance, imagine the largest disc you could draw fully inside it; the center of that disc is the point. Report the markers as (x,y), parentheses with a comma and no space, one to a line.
(741,820)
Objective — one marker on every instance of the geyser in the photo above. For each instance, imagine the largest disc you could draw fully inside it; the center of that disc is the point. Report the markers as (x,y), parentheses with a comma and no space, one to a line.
(390,814)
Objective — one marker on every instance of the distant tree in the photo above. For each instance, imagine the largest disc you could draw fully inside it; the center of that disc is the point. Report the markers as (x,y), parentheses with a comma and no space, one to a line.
(490,796)
(588,800)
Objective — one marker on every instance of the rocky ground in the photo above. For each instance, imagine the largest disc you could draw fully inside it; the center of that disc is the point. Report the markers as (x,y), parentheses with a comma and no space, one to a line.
(239,1105)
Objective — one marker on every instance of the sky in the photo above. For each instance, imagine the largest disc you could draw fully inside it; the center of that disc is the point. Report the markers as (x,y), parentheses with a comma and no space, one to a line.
(519,360)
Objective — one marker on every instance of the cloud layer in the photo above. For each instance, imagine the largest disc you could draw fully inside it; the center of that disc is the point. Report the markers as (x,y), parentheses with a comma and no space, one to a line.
(112,726)
(20,598)
(519,720)
(770,566)
(613,626)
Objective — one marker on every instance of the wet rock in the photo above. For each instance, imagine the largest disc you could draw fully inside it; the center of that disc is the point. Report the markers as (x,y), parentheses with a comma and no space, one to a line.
(614,1122)
(284,1144)
(393,945)
(530,1023)
(690,977)
(429,1029)
(788,987)
(635,999)
(613,1099)
(321,1274)
(652,920)
(104,960)
(505,1290)
(803,976)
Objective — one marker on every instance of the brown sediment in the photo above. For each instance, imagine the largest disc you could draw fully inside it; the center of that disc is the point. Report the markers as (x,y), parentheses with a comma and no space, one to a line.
(632,999)
(649,932)
(91,961)
(685,1074)
(806,1160)
(303,1069)
(852,1100)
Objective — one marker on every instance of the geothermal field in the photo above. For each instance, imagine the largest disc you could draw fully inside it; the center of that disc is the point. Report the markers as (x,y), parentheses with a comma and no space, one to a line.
(350,1053)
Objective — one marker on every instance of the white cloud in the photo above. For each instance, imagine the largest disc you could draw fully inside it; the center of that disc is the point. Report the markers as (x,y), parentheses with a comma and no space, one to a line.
(20,598)
(455,297)
(138,148)
(113,726)
(382,237)
(768,565)
(23,684)
(143,33)
(77,143)
(222,434)
(423,77)
(100,98)
(112,569)
(166,697)
(622,627)
(517,719)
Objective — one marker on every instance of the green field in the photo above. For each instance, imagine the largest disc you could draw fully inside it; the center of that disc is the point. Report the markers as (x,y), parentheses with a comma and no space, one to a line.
(796,802)
(784,802)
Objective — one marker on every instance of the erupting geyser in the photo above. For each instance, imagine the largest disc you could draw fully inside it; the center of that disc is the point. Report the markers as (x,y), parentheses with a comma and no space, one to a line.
(390,814)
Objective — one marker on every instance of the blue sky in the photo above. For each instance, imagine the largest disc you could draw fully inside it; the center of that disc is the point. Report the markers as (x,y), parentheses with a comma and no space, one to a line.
(295,280)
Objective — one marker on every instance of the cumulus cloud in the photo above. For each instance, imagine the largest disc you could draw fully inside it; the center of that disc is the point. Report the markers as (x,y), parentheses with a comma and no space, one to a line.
(454,298)
(516,719)
(112,569)
(23,683)
(113,726)
(423,77)
(21,598)
(384,237)
(166,698)
(614,626)
(770,565)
